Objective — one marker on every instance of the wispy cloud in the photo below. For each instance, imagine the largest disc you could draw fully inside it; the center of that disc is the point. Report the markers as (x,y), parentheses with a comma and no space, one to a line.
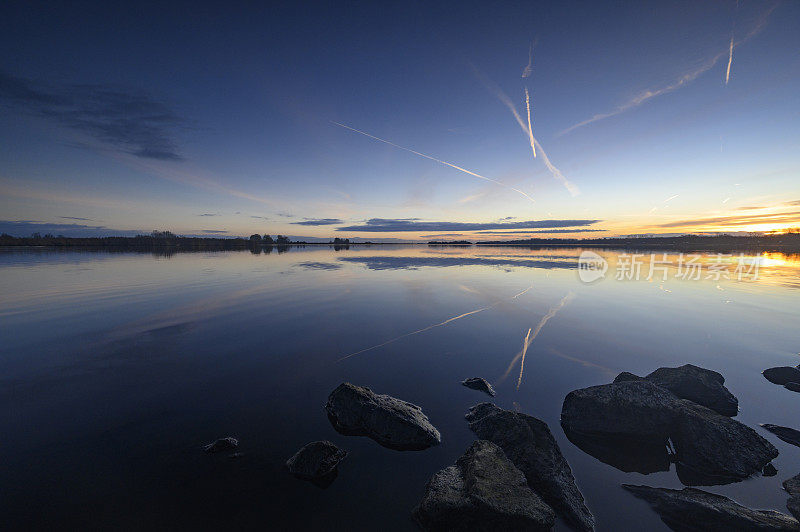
(528,70)
(746,219)
(451,165)
(132,122)
(76,218)
(214,231)
(318,221)
(388,225)
(680,82)
(542,231)
(206,214)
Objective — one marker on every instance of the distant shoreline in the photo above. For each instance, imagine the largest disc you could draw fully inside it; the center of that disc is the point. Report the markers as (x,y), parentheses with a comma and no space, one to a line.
(788,243)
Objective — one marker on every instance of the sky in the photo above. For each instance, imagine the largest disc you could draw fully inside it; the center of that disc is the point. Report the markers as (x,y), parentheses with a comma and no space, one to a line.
(403,120)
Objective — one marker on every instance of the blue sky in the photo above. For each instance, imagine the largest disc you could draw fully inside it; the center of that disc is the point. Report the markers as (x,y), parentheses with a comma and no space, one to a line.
(222,119)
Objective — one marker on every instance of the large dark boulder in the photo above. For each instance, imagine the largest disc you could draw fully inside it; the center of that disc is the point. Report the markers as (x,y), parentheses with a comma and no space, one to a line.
(710,444)
(792,485)
(358,411)
(630,455)
(315,460)
(477,383)
(699,385)
(691,509)
(482,492)
(529,444)
(792,386)
(782,375)
(785,433)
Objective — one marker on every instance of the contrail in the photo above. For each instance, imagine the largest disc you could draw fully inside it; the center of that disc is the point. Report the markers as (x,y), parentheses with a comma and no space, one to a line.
(451,165)
(525,345)
(730,60)
(505,100)
(730,55)
(677,84)
(530,127)
(528,70)
(536,330)
(445,322)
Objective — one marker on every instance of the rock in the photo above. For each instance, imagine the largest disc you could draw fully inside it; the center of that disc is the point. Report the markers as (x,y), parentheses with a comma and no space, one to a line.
(712,445)
(477,383)
(626,376)
(793,505)
(699,385)
(769,470)
(483,491)
(792,485)
(528,443)
(694,509)
(792,386)
(358,411)
(782,375)
(222,444)
(785,433)
(315,460)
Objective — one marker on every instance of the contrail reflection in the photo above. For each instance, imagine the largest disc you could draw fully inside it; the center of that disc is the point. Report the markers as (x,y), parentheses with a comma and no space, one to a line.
(529,338)
(428,328)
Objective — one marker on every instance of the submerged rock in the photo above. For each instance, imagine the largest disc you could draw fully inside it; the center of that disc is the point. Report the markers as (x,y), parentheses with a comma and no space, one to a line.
(782,375)
(477,383)
(769,470)
(223,444)
(699,385)
(710,444)
(315,460)
(792,386)
(785,433)
(483,491)
(528,443)
(693,509)
(358,411)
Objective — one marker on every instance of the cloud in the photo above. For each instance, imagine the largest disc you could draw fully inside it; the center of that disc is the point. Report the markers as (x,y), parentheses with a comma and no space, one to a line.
(208,214)
(132,122)
(508,218)
(76,218)
(259,217)
(318,221)
(390,225)
(786,217)
(542,231)
(214,231)
(682,80)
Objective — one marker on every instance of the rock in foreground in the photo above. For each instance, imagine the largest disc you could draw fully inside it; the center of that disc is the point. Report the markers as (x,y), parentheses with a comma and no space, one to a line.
(792,386)
(793,487)
(706,442)
(482,492)
(782,375)
(785,433)
(528,443)
(699,385)
(477,383)
(222,444)
(315,460)
(693,509)
(358,411)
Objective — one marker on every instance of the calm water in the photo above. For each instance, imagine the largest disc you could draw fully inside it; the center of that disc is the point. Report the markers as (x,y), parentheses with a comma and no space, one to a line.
(116,368)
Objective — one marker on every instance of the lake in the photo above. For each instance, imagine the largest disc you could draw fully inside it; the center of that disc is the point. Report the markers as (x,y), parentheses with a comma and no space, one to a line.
(117,368)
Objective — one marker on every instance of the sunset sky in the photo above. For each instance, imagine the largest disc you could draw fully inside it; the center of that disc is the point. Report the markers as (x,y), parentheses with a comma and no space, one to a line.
(397,120)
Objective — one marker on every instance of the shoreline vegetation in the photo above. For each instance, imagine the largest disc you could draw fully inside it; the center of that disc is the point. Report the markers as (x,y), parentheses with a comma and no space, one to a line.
(786,242)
